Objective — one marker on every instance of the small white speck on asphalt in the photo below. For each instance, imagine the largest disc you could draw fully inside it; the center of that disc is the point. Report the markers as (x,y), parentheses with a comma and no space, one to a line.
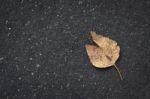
(32,73)
(37,65)
(30,58)
(1,58)
(19,78)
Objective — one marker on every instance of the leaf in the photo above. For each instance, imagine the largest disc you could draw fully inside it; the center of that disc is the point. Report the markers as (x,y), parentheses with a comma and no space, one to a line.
(105,54)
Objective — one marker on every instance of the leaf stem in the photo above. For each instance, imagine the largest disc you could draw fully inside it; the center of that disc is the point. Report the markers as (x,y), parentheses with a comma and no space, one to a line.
(118,72)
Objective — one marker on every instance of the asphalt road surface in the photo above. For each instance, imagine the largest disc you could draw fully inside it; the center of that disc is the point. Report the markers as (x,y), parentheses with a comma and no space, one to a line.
(42,52)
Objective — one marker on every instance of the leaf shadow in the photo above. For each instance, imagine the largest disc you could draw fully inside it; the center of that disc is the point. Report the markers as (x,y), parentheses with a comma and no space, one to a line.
(104,69)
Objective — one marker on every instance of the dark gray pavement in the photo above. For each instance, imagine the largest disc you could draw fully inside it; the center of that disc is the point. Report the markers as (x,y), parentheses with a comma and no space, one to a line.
(42,54)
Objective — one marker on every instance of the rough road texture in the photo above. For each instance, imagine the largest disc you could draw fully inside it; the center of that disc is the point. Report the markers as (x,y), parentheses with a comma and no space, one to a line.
(42,53)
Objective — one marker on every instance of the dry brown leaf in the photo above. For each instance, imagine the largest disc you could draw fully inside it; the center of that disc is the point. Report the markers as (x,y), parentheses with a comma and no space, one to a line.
(105,54)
